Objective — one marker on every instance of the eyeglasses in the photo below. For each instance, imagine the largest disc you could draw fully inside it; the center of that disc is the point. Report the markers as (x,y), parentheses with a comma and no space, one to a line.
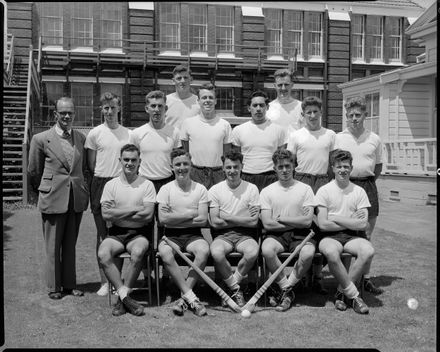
(64,114)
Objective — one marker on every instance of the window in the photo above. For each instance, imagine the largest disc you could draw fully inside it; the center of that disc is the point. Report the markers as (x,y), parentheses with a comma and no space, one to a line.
(82,95)
(53,91)
(198,26)
(376,50)
(372,118)
(169,19)
(395,30)
(358,37)
(315,35)
(111,25)
(225,99)
(274,31)
(82,24)
(312,93)
(51,23)
(295,31)
(224,29)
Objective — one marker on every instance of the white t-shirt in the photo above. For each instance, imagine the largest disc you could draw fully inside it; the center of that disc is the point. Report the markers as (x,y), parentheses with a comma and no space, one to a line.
(286,115)
(286,201)
(258,143)
(312,149)
(342,202)
(179,110)
(123,194)
(108,143)
(180,201)
(206,139)
(234,201)
(366,151)
(155,146)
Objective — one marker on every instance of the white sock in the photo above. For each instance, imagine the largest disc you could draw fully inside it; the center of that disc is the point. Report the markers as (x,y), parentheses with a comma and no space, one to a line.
(238,276)
(232,283)
(123,292)
(189,296)
(293,280)
(283,283)
(351,291)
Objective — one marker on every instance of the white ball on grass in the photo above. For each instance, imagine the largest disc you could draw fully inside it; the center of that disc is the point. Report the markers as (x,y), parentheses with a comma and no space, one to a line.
(412,303)
(245,314)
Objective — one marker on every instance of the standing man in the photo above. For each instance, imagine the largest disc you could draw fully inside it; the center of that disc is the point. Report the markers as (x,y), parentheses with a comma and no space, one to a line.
(286,213)
(182,103)
(366,148)
(285,110)
(57,165)
(258,139)
(206,137)
(183,210)
(342,218)
(103,145)
(311,146)
(128,203)
(234,210)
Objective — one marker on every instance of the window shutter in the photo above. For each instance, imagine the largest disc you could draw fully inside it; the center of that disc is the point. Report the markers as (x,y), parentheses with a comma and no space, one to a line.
(405,40)
(386,39)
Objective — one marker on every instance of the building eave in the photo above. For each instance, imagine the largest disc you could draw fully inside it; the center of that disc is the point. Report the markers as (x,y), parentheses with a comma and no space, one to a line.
(411,72)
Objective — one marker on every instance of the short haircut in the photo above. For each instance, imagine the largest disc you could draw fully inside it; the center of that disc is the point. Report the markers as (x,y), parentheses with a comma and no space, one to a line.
(130,148)
(356,102)
(180,69)
(206,86)
(283,72)
(69,99)
(311,101)
(109,96)
(155,94)
(179,152)
(281,154)
(340,155)
(232,155)
(258,93)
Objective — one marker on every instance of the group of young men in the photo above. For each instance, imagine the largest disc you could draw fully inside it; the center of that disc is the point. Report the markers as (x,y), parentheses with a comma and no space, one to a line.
(187,169)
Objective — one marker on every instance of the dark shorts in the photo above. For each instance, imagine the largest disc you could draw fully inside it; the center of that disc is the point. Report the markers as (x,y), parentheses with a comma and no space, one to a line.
(207,176)
(314,181)
(290,239)
(125,235)
(96,189)
(369,185)
(260,180)
(183,237)
(344,236)
(234,236)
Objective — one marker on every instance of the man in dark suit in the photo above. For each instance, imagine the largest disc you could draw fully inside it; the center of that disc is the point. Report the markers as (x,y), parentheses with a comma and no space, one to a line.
(56,167)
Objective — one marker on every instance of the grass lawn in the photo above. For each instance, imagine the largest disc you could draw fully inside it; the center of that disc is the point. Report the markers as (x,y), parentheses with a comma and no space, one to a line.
(404,265)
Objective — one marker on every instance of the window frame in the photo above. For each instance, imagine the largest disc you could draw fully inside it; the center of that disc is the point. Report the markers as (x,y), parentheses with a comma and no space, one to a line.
(58,41)
(200,47)
(321,36)
(381,37)
(175,46)
(371,121)
(362,35)
(230,42)
(300,31)
(275,50)
(103,20)
(400,40)
(81,42)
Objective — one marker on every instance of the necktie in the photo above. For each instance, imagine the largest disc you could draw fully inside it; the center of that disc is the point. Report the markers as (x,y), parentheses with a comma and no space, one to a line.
(67,145)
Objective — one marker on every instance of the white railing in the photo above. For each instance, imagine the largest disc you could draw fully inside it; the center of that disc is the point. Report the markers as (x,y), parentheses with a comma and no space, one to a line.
(8,63)
(411,157)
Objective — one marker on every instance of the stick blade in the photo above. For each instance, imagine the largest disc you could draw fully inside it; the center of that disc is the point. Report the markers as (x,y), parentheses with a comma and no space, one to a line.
(234,306)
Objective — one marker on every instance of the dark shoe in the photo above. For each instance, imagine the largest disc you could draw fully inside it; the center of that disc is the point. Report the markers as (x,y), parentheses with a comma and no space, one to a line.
(359,305)
(133,306)
(55,295)
(273,295)
(370,287)
(179,307)
(198,308)
(119,308)
(318,288)
(286,300)
(340,301)
(73,292)
(238,298)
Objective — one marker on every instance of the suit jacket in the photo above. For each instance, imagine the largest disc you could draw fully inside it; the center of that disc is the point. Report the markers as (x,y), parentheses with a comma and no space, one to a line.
(51,174)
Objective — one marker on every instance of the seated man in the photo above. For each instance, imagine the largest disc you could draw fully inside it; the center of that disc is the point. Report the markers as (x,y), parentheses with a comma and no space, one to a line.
(343,218)
(234,211)
(183,210)
(128,203)
(287,213)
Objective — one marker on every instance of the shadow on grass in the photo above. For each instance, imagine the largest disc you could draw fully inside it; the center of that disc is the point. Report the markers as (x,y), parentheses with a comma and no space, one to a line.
(6,230)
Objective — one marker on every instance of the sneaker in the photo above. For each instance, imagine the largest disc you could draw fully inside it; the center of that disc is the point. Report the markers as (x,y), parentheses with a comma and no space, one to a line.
(273,295)
(198,308)
(286,300)
(133,306)
(103,291)
(370,287)
(340,301)
(119,308)
(359,305)
(317,287)
(179,307)
(238,298)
